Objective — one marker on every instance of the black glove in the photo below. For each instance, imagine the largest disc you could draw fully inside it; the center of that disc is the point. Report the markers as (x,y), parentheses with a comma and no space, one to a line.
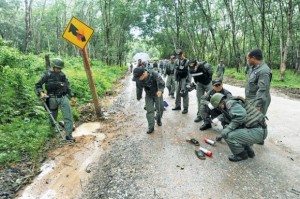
(219,138)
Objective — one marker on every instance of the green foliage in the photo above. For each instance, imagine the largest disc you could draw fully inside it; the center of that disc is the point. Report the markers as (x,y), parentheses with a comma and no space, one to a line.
(24,124)
(291,79)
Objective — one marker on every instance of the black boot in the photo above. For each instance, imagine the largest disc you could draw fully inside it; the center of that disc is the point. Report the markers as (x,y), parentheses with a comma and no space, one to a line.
(205,126)
(238,157)
(198,119)
(177,108)
(250,151)
(150,130)
(70,137)
(261,143)
(185,111)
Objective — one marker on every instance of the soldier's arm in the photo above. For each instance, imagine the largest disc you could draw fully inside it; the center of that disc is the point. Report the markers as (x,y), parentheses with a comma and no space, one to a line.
(263,87)
(69,91)
(39,85)
(160,83)
(238,116)
(139,90)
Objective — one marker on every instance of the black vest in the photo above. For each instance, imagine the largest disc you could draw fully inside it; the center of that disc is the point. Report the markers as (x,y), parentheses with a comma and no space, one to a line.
(205,78)
(56,83)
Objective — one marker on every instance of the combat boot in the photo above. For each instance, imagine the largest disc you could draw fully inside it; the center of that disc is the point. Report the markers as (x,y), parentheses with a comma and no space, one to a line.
(198,119)
(205,126)
(238,157)
(185,111)
(150,130)
(70,137)
(250,151)
(177,108)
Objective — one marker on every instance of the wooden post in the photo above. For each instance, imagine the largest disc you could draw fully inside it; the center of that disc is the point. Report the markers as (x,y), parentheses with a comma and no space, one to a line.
(88,71)
(47,61)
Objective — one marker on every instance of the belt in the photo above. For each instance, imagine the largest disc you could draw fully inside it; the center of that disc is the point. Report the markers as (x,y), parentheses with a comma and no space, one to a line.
(56,96)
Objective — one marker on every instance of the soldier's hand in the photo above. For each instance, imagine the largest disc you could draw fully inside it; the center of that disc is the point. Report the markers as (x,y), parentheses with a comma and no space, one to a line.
(158,93)
(258,108)
(73,101)
(43,95)
(219,138)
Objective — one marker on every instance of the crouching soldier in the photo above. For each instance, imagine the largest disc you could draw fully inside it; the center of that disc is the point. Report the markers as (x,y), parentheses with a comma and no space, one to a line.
(207,111)
(246,126)
(154,86)
(58,87)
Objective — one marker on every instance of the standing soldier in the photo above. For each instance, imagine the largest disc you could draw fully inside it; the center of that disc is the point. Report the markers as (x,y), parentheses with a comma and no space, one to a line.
(183,79)
(131,66)
(202,73)
(169,72)
(154,86)
(220,70)
(257,89)
(57,87)
(246,126)
(161,66)
(207,112)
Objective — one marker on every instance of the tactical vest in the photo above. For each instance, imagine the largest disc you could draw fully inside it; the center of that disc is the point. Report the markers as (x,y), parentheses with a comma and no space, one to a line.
(150,85)
(56,83)
(181,69)
(168,69)
(254,117)
(205,78)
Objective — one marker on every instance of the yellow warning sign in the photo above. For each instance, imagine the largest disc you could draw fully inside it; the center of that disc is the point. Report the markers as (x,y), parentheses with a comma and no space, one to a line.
(78,33)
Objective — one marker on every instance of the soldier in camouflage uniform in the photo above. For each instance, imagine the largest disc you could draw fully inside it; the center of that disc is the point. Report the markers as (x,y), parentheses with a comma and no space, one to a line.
(207,112)
(169,72)
(220,70)
(154,86)
(246,125)
(183,79)
(57,87)
(257,89)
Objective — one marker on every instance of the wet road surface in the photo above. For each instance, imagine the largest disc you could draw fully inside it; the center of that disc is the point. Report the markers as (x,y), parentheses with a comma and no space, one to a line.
(163,165)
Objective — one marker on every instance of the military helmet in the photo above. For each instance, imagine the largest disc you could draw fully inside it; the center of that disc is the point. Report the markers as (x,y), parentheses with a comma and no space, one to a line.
(216,99)
(192,62)
(57,63)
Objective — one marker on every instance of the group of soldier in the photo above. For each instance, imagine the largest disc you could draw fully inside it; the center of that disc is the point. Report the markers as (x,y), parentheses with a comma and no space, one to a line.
(243,119)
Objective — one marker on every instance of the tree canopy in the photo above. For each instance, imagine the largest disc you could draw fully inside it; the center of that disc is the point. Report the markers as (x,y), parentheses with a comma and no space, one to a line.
(211,30)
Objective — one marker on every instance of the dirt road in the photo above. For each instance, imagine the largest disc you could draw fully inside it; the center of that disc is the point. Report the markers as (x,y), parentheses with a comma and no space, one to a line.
(117,159)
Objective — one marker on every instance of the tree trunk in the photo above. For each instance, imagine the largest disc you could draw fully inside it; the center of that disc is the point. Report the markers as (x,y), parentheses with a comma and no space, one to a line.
(28,28)
(287,44)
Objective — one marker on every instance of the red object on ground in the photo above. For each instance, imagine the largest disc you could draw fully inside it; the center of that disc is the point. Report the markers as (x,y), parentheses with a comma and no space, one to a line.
(208,141)
(207,152)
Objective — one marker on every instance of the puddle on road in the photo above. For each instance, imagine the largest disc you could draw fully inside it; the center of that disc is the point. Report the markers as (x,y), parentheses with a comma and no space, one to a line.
(69,167)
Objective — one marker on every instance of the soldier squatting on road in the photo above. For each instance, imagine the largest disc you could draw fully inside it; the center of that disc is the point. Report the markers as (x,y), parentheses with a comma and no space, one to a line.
(154,86)
(246,125)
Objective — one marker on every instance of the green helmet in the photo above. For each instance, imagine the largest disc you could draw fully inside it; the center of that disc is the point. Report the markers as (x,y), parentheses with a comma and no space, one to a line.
(216,99)
(57,63)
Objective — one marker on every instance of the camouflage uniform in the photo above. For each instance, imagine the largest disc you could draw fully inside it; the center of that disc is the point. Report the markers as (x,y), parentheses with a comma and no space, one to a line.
(257,89)
(151,85)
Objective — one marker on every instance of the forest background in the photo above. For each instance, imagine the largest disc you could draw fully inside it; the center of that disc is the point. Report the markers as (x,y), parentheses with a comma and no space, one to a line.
(205,29)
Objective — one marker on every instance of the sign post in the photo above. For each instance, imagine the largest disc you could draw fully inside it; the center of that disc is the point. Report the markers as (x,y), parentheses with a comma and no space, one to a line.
(79,34)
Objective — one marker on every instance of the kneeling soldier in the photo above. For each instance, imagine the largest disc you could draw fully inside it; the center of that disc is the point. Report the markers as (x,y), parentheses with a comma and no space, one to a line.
(246,126)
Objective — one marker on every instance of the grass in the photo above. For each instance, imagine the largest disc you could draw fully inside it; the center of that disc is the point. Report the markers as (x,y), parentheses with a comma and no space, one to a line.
(291,79)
